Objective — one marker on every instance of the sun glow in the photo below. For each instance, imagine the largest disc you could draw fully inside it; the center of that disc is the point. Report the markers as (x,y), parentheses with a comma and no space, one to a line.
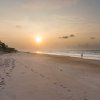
(38,39)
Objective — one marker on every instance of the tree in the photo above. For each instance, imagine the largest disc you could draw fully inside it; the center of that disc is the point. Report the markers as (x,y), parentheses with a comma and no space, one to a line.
(5,48)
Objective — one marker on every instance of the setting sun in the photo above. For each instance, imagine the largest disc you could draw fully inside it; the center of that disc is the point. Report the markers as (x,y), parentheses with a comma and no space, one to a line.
(38,39)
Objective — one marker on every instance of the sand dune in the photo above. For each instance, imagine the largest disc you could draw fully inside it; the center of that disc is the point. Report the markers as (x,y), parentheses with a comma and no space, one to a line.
(26,76)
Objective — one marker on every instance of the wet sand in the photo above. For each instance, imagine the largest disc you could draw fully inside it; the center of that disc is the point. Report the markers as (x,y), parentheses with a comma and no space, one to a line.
(26,76)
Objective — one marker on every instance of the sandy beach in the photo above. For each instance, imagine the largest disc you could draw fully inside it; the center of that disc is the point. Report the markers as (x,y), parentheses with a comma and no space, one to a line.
(27,76)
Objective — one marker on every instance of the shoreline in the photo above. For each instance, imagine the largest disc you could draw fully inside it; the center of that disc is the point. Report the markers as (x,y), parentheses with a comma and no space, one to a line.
(76,55)
(77,59)
(69,58)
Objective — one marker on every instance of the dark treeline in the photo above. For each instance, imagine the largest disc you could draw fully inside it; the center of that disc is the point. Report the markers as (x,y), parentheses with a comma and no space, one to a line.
(6,48)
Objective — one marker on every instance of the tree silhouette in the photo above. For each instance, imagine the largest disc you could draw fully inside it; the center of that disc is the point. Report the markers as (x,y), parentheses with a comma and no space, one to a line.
(5,48)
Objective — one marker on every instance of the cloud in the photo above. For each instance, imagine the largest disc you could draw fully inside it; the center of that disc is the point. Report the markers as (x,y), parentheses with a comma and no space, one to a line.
(18,26)
(72,35)
(46,4)
(92,38)
(66,37)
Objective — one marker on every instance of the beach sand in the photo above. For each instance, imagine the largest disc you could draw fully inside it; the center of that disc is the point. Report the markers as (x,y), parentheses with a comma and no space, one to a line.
(27,76)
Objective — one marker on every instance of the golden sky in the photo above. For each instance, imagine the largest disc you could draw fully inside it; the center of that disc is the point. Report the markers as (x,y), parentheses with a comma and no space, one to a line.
(54,20)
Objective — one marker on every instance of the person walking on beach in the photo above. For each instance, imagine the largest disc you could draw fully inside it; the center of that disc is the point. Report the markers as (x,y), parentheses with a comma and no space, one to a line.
(81,55)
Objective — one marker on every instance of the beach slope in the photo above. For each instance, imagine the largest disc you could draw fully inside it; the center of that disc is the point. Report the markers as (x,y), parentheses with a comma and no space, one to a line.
(27,76)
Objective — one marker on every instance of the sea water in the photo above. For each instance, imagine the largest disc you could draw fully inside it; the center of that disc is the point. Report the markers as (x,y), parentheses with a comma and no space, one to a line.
(87,54)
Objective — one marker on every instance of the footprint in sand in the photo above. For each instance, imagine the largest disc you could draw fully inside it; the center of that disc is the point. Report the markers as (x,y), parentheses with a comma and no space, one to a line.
(32,70)
(85,98)
(8,67)
(22,73)
(55,83)
(13,63)
(42,75)
(2,81)
(7,62)
(69,90)
(26,67)
(62,86)
(65,88)
(61,70)
(47,78)
(8,74)
(1,62)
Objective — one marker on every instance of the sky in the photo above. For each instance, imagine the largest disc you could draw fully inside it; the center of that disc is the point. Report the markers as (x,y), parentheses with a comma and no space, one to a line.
(61,23)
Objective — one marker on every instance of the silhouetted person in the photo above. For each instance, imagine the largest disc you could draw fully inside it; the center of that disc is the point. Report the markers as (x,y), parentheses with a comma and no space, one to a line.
(81,55)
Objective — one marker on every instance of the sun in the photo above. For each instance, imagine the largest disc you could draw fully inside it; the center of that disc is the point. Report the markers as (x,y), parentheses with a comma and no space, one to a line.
(38,39)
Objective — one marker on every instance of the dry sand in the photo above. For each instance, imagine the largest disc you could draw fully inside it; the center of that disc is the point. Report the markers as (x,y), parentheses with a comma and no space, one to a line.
(26,76)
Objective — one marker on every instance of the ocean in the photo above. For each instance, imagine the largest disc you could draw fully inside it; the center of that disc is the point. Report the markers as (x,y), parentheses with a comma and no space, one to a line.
(87,54)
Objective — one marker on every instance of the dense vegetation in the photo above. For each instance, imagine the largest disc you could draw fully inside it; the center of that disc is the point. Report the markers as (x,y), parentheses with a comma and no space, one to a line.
(5,48)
